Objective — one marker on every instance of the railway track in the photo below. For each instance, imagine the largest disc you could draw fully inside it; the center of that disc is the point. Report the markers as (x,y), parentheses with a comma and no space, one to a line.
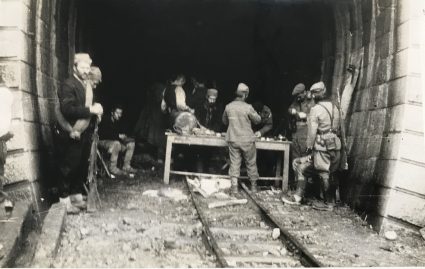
(247,235)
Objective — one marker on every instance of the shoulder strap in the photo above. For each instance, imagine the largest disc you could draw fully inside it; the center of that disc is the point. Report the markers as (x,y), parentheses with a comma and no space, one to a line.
(329,113)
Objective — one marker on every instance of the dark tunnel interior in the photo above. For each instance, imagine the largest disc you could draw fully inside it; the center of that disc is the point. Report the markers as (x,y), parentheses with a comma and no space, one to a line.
(269,45)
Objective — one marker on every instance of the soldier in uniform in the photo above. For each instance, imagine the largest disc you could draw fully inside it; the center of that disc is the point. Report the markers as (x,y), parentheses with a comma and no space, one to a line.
(298,111)
(323,148)
(239,116)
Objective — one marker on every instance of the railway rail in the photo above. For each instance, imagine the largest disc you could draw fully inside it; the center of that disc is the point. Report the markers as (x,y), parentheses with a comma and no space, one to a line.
(248,235)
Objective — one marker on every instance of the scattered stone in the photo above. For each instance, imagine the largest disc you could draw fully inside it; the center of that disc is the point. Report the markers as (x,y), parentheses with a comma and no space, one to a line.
(356,255)
(84,232)
(263,225)
(390,235)
(132,258)
(170,243)
(126,248)
(265,253)
(283,251)
(225,251)
(126,221)
(275,233)
(422,231)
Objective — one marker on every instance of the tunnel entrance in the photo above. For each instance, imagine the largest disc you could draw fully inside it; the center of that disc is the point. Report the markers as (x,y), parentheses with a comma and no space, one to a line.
(269,45)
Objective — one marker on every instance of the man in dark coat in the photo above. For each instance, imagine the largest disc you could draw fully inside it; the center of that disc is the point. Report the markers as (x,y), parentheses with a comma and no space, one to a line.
(76,102)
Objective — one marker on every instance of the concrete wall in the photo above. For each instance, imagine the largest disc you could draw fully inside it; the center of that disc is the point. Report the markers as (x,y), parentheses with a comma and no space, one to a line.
(385,122)
(34,55)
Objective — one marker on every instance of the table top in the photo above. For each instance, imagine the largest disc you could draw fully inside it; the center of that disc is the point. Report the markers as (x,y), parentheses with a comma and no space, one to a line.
(211,140)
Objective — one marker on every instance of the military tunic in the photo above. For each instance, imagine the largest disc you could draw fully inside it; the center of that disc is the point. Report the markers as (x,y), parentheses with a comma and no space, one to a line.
(322,123)
(239,116)
(298,127)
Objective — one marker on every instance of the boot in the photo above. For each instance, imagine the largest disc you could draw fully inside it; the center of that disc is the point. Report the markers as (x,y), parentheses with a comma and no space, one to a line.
(234,185)
(70,209)
(129,169)
(78,201)
(116,171)
(254,186)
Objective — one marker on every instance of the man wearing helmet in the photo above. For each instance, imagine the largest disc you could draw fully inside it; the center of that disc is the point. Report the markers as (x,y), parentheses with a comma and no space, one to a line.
(323,147)
(239,116)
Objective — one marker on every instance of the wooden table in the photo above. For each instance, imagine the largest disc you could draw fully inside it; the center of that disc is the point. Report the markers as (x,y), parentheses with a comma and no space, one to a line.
(214,141)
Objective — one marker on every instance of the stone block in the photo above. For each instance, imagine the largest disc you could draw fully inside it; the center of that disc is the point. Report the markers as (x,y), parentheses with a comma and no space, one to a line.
(365,123)
(50,236)
(10,13)
(403,11)
(11,72)
(397,91)
(33,132)
(383,196)
(27,20)
(390,146)
(28,79)
(30,107)
(412,147)
(413,118)
(407,207)
(383,46)
(410,176)
(384,21)
(386,172)
(44,84)
(394,119)
(18,142)
(25,192)
(376,124)
(414,90)
(9,38)
(400,64)
(403,36)
(373,147)
(17,106)
(384,4)
(22,166)
(383,71)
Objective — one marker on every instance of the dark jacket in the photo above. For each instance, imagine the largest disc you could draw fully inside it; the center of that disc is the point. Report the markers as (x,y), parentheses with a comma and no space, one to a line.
(109,130)
(210,116)
(72,99)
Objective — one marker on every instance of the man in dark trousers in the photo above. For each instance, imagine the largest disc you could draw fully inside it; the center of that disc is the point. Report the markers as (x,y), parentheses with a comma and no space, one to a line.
(114,140)
(76,102)
(239,116)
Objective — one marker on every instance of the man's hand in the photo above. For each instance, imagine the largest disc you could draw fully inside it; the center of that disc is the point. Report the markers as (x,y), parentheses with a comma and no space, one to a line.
(96,109)
(122,136)
(257,134)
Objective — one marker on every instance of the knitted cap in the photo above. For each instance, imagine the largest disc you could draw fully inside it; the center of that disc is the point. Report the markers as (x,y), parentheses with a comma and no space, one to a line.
(242,88)
(299,88)
(212,92)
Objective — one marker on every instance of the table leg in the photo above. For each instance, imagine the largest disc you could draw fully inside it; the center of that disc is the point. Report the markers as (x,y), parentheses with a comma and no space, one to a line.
(167,163)
(285,170)
(278,169)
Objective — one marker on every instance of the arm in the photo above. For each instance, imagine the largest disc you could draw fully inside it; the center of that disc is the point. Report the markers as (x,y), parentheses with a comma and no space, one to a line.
(224,118)
(253,116)
(312,125)
(69,105)
(267,126)
(181,99)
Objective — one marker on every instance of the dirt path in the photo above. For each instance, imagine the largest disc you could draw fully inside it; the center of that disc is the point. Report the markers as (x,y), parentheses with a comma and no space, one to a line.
(135,231)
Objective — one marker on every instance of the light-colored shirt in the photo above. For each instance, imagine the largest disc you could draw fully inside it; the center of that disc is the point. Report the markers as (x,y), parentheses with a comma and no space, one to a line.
(181,99)
(6,100)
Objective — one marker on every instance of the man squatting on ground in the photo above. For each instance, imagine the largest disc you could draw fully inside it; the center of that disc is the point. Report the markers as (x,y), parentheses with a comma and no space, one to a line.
(6,100)
(323,147)
(114,140)
(239,116)
(76,103)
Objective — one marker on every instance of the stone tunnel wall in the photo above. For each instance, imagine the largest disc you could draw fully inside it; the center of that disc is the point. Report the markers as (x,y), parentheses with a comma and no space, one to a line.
(34,55)
(385,132)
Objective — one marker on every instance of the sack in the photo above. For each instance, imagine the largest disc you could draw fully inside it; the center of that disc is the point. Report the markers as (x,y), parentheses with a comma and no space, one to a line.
(184,123)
